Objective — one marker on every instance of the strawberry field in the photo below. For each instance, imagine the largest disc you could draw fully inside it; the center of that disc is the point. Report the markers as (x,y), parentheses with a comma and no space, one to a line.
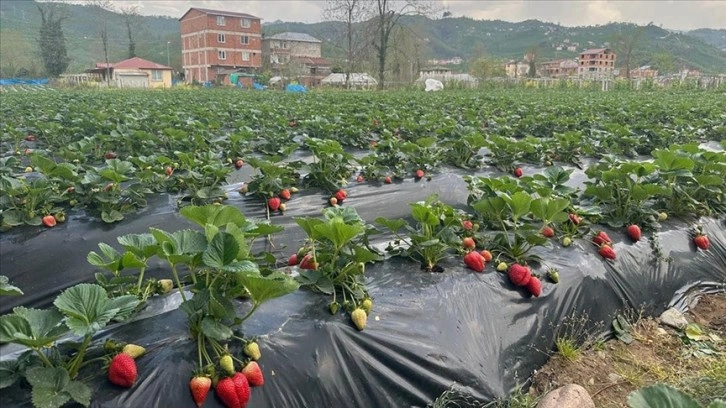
(231,248)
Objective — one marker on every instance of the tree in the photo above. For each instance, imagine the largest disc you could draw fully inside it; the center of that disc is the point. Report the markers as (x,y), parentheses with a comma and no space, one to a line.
(130,15)
(485,67)
(52,42)
(352,13)
(531,58)
(625,43)
(387,14)
(101,7)
(664,61)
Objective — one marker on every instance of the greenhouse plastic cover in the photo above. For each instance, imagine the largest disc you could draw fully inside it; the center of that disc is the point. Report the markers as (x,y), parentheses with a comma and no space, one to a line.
(426,333)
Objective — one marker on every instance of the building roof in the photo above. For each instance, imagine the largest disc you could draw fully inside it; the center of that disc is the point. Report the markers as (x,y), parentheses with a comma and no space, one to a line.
(594,51)
(132,63)
(219,13)
(313,61)
(355,79)
(294,37)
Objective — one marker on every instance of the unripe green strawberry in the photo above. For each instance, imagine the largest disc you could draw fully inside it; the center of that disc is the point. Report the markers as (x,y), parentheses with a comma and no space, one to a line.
(227,364)
(662,216)
(294,190)
(252,349)
(502,266)
(554,275)
(133,350)
(359,317)
(333,306)
(165,286)
(566,241)
(367,305)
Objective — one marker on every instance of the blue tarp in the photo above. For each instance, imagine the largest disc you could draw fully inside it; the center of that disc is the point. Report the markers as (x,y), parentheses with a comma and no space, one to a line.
(296,88)
(18,81)
(258,86)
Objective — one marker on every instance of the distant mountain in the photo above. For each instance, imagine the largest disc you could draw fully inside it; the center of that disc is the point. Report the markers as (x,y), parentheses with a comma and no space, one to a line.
(717,38)
(444,38)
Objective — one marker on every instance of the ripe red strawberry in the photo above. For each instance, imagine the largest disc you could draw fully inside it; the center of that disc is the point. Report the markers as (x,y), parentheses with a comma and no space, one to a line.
(292,123)
(110,155)
(701,241)
(49,221)
(227,392)
(292,260)
(200,386)
(30,138)
(634,232)
(534,286)
(468,243)
(419,173)
(519,274)
(285,194)
(341,195)
(168,171)
(359,178)
(254,374)
(242,387)
(574,218)
(308,263)
(548,232)
(601,238)
(122,370)
(239,163)
(388,180)
(474,261)
(486,255)
(607,252)
(467,225)
(518,172)
(273,203)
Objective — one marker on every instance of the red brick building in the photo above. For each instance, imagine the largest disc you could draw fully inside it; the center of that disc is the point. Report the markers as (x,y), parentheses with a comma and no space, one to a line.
(596,63)
(217,43)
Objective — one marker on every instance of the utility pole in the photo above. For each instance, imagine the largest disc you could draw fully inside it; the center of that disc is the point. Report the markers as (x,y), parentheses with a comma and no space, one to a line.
(168,59)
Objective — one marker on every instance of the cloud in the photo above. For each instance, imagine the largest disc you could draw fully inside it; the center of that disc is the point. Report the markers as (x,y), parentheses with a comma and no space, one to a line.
(679,15)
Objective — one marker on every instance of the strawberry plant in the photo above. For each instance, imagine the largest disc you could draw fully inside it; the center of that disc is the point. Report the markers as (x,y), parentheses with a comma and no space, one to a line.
(50,366)
(463,152)
(337,249)
(332,166)
(423,154)
(429,240)
(273,177)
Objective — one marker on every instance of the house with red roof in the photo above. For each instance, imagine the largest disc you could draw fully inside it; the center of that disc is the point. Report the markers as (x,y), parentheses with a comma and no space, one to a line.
(134,73)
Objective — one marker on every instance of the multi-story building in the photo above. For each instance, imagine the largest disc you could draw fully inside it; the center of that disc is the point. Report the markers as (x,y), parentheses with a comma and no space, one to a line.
(516,69)
(296,55)
(596,63)
(218,43)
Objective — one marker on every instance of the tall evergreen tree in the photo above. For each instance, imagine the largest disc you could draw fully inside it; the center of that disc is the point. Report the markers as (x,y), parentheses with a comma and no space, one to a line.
(52,43)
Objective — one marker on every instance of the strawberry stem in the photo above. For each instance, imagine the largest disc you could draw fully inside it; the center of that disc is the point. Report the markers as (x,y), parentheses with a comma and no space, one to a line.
(178,282)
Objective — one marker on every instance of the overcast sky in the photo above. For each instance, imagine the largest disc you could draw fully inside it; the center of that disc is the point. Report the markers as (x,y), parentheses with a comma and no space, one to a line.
(678,15)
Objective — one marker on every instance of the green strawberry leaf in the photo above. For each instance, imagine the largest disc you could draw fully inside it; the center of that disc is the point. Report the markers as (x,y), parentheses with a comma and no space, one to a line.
(80,392)
(88,308)
(109,260)
(222,250)
(215,330)
(9,373)
(46,326)
(112,216)
(217,215)
(392,225)
(338,232)
(48,386)
(6,289)
(264,288)
(719,403)
(143,245)
(660,396)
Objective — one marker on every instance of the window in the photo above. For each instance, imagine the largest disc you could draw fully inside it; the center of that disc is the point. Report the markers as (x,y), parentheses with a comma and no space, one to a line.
(221,54)
(246,23)
(245,40)
(157,75)
(220,20)
(221,38)
(245,56)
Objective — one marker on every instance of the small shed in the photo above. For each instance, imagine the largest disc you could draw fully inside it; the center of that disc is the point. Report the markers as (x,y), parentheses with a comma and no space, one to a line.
(357,80)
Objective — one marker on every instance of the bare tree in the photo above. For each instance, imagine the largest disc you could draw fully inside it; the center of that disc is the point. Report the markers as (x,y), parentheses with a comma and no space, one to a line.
(351,12)
(387,14)
(102,6)
(130,15)
(625,43)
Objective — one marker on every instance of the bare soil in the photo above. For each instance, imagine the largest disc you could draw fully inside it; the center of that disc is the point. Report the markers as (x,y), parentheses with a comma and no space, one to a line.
(658,354)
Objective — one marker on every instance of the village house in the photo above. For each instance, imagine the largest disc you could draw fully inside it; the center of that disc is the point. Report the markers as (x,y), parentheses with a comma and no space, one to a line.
(516,69)
(646,71)
(217,43)
(296,55)
(558,68)
(133,73)
(596,63)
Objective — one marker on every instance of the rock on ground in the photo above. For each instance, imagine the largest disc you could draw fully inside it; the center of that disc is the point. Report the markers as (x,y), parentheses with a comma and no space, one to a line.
(673,318)
(568,396)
